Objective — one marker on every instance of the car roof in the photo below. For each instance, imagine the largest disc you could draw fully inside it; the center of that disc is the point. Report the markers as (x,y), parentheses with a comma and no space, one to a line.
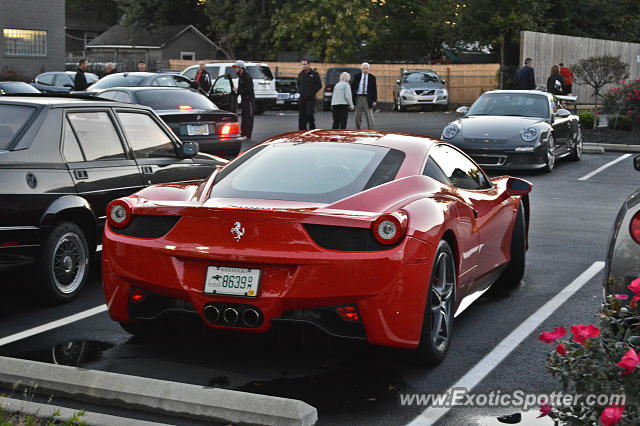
(146,88)
(63,101)
(138,73)
(419,70)
(229,64)
(527,92)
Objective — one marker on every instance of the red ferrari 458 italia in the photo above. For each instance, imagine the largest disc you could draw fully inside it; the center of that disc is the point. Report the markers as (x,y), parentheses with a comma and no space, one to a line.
(366,235)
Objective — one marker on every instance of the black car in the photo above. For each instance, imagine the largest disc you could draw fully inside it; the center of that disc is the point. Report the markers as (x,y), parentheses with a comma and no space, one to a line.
(15,87)
(330,80)
(134,79)
(189,114)
(59,81)
(288,95)
(62,160)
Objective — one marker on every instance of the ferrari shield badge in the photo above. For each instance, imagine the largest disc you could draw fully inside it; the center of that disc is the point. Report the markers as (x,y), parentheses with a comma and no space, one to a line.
(237,230)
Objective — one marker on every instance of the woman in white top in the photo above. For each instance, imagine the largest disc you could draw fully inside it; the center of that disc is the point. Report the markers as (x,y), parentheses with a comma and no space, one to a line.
(340,101)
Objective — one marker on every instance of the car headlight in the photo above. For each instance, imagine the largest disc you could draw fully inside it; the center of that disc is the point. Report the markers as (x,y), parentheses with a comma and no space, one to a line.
(450,130)
(407,92)
(441,92)
(295,95)
(529,134)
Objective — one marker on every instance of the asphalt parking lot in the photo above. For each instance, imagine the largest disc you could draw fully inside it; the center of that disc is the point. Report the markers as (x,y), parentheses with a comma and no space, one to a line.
(572,212)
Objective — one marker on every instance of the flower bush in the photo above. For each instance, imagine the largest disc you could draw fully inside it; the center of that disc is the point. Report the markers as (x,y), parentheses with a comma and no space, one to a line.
(600,360)
(11,74)
(624,100)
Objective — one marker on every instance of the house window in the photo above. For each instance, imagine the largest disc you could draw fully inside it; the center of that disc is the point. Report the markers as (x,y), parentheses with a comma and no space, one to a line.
(24,42)
(188,56)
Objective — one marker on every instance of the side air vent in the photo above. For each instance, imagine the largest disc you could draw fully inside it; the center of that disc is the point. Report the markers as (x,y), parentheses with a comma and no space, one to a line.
(147,226)
(344,238)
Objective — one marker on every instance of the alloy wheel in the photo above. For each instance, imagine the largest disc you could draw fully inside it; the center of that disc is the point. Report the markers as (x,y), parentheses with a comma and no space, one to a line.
(69,261)
(442,292)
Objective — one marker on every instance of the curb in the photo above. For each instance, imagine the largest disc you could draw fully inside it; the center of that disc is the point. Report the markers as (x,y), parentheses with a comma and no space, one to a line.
(66,414)
(609,147)
(152,395)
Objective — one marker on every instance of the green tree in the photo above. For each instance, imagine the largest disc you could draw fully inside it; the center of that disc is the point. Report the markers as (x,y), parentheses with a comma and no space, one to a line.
(144,13)
(106,10)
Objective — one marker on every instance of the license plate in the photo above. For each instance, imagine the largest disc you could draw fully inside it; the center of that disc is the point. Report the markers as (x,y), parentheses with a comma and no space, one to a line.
(283,96)
(279,102)
(197,129)
(232,281)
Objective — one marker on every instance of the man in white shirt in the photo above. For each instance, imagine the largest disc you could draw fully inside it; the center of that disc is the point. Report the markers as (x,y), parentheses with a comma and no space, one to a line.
(365,94)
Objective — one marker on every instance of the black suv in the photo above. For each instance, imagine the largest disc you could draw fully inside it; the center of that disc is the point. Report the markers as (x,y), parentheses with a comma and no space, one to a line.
(62,160)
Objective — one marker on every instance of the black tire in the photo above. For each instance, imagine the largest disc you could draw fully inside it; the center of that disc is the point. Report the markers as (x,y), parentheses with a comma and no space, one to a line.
(512,275)
(550,159)
(435,337)
(399,105)
(576,151)
(63,264)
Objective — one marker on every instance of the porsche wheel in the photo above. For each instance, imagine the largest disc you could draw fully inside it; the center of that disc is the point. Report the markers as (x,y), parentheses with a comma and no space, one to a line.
(576,152)
(549,158)
(512,275)
(63,265)
(437,323)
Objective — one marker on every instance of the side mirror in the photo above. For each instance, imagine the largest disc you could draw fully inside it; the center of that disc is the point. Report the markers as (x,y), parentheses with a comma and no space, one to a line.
(517,186)
(462,109)
(189,149)
(443,81)
(636,162)
(562,113)
(397,81)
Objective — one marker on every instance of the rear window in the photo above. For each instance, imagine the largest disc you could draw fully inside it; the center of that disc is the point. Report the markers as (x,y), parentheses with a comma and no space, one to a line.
(261,72)
(12,120)
(174,99)
(318,172)
(118,81)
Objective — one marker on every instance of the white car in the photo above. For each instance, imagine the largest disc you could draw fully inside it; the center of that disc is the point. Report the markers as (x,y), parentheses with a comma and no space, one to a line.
(264,85)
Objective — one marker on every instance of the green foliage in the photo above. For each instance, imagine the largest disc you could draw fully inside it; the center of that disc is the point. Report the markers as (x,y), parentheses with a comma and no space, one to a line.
(625,100)
(144,13)
(103,10)
(586,119)
(593,369)
(16,418)
(621,122)
(599,71)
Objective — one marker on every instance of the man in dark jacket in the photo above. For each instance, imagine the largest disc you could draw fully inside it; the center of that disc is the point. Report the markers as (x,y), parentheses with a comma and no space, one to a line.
(308,85)
(365,95)
(80,82)
(245,89)
(524,78)
(203,78)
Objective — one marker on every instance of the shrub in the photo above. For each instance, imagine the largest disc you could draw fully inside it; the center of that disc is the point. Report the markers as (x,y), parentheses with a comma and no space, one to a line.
(625,100)
(10,74)
(600,361)
(586,119)
(621,122)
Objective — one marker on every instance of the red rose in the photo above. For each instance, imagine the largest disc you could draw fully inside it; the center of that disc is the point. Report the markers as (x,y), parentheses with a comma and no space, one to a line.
(584,332)
(611,415)
(561,349)
(629,362)
(544,410)
(634,302)
(621,296)
(635,286)
(550,336)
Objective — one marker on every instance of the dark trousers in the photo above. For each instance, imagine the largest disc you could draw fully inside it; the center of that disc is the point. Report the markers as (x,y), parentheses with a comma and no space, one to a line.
(306,110)
(340,115)
(246,126)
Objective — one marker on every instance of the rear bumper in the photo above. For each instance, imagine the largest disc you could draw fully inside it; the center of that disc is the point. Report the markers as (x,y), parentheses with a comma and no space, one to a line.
(218,146)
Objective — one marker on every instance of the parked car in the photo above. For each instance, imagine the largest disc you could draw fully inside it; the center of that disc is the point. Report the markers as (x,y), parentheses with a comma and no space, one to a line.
(288,95)
(59,81)
(134,79)
(420,88)
(264,85)
(516,129)
(62,160)
(622,265)
(330,79)
(372,236)
(190,115)
(14,87)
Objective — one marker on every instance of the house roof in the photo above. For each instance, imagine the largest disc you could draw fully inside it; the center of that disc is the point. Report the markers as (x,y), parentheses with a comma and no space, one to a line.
(131,37)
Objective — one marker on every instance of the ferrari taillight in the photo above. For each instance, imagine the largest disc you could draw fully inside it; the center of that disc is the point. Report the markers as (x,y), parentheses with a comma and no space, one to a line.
(634,227)
(228,129)
(137,295)
(348,313)
(119,213)
(389,228)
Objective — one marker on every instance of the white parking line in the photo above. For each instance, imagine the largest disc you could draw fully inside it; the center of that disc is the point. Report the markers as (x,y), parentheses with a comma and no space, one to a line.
(54,324)
(504,348)
(609,164)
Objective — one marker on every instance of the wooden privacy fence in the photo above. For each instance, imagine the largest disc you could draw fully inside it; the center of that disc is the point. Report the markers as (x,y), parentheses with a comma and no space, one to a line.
(465,82)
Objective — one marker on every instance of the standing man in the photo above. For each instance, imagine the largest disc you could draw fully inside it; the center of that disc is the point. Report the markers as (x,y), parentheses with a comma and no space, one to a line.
(80,82)
(365,93)
(245,89)
(109,69)
(203,78)
(568,78)
(142,67)
(308,85)
(524,78)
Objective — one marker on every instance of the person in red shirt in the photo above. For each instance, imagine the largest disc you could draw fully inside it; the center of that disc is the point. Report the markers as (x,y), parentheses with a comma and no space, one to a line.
(568,78)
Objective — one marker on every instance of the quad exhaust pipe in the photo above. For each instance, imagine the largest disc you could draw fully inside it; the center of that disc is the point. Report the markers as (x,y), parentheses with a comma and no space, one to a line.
(230,316)
(238,316)
(211,313)
(250,317)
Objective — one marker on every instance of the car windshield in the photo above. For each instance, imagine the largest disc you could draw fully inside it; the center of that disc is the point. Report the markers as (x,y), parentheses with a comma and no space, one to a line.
(317,172)
(17,87)
(164,99)
(333,74)
(514,104)
(12,120)
(260,72)
(119,80)
(420,77)
(286,84)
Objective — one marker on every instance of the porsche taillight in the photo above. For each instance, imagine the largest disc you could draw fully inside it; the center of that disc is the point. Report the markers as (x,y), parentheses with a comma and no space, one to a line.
(228,129)
(634,227)
(389,228)
(119,213)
